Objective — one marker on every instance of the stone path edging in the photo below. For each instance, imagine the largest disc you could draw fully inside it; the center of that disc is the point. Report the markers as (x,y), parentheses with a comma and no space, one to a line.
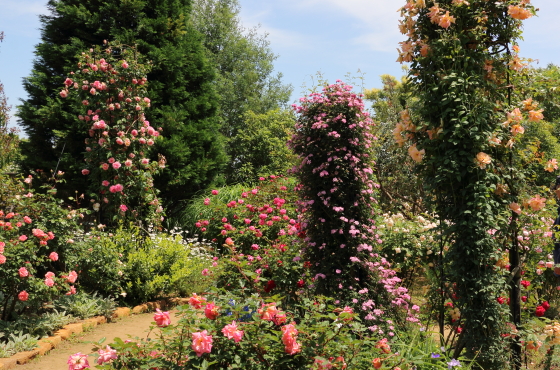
(46,344)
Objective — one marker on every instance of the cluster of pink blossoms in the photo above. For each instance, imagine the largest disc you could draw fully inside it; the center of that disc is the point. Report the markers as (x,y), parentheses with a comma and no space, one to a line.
(120,136)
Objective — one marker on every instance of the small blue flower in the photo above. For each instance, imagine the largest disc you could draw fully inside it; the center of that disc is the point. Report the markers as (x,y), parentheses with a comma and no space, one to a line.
(435,355)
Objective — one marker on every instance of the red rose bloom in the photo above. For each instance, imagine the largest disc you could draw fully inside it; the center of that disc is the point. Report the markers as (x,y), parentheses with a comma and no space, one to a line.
(269,286)
(545,305)
(539,311)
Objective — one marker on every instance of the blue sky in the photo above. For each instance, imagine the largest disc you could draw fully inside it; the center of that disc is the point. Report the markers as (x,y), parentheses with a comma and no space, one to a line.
(334,37)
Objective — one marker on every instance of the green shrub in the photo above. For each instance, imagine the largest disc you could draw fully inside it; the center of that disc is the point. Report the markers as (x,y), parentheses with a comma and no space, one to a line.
(164,266)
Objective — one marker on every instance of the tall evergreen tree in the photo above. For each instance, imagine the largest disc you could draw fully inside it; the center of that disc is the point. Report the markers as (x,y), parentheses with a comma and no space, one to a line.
(246,81)
(181,88)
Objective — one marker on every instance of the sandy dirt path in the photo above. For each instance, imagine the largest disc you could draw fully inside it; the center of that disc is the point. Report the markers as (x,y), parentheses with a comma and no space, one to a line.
(132,326)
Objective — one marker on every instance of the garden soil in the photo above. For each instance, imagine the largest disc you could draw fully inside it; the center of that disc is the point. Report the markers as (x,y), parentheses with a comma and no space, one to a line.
(127,327)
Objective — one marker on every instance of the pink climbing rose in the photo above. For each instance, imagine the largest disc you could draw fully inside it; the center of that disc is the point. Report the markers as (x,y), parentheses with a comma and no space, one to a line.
(53,256)
(289,338)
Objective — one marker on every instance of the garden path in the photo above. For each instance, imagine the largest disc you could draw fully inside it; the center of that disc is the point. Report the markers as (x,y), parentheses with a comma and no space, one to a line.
(132,326)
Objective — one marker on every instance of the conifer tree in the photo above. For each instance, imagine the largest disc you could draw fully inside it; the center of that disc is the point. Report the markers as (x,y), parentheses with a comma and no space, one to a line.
(180,88)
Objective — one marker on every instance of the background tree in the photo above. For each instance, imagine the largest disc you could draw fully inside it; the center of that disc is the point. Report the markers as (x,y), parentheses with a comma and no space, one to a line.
(260,148)
(400,186)
(181,89)
(245,78)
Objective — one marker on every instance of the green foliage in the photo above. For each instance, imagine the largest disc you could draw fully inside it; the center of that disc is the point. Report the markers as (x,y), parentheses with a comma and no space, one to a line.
(400,187)
(85,305)
(245,81)
(37,326)
(17,343)
(181,90)
(259,148)
(460,70)
(164,266)
(135,269)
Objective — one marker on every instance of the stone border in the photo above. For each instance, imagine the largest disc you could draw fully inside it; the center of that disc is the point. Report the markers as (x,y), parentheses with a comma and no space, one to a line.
(46,344)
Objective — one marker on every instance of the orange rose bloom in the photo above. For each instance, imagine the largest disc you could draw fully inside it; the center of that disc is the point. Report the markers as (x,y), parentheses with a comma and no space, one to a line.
(537,203)
(535,115)
(518,12)
(446,20)
(416,154)
(515,208)
(483,159)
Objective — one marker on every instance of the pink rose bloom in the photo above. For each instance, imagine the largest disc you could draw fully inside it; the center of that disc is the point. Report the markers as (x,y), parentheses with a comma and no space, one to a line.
(145,161)
(111,160)
(124,64)
(105,166)
(119,141)
(78,361)
(206,201)
(205,272)
(128,163)
(142,141)
(162,319)
(106,355)
(63,93)
(2,259)
(229,241)
(85,171)
(22,238)
(116,165)
(72,290)
(119,187)
(231,332)
(72,276)
(123,208)
(214,192)
(289,338)
(23,272)
(105,183)
(23,295)
(211,311)
(53,256)
(27,220)
(49,282)
(202,343)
